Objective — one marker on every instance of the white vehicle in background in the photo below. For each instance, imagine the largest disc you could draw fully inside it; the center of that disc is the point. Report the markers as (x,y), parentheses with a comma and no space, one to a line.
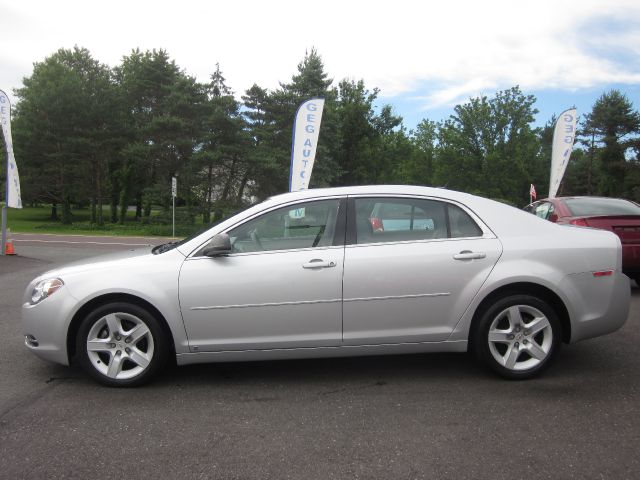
(337,272)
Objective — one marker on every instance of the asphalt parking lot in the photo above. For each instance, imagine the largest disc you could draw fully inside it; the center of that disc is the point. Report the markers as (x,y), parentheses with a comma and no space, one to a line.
(402,417)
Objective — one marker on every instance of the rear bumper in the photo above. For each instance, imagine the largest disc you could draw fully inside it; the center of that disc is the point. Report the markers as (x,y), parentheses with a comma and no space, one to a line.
(600,304)
(631,259)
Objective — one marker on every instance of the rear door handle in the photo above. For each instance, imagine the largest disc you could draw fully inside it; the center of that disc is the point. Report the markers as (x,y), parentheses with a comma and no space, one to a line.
(318,263)
(469,255)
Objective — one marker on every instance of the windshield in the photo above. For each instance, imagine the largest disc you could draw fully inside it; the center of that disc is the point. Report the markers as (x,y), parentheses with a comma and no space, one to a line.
(171,245)
(586,207)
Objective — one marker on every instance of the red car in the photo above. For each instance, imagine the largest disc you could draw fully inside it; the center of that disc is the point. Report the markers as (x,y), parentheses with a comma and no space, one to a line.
(617,215)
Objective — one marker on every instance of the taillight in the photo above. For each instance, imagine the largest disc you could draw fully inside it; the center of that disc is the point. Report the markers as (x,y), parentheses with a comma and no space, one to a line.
(580,222)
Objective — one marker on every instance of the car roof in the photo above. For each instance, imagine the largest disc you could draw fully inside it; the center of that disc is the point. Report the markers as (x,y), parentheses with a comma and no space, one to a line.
(365,190)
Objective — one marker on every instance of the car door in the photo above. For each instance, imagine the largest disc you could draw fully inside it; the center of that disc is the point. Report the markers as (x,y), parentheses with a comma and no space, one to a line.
(411,268)
(281,287)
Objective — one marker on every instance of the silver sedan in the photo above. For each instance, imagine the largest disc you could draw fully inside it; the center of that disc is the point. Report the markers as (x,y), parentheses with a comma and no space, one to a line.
(337,272)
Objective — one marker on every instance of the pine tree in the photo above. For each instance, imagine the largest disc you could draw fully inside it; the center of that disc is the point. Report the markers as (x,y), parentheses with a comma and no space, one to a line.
(614,126)
(66,130)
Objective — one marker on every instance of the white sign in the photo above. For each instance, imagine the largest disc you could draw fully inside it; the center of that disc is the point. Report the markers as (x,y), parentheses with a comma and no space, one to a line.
(174,187)
(563,138)
(13,179)
(297,213)
(306,128)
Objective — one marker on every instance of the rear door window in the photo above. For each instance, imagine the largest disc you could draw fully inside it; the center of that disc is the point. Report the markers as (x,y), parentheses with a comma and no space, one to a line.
(405,219)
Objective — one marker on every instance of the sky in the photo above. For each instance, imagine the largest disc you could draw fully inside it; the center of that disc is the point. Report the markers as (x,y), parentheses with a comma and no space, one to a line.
(424,56)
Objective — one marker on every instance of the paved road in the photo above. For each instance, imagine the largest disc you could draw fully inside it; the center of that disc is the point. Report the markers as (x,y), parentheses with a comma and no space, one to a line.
(404,417)
(85,241)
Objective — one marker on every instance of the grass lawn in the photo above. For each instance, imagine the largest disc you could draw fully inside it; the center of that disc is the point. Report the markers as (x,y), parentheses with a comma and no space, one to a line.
(38,220)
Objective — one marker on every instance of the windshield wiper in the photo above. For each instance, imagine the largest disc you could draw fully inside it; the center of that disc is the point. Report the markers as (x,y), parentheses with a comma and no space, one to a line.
(165,247)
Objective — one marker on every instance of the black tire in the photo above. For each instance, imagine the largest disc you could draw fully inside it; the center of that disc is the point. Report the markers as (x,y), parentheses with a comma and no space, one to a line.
(517,350)
(130,346)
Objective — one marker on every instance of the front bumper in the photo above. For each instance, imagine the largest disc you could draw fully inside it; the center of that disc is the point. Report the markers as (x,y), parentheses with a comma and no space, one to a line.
(45,325)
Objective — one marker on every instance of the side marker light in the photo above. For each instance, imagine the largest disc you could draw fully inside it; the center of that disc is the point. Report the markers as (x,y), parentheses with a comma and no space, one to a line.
(603,273)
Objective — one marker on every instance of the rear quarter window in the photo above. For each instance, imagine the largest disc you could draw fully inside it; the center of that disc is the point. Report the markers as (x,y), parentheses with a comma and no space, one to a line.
(462,225)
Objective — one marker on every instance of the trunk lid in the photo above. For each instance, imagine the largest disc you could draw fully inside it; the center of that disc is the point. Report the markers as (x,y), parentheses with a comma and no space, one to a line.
(627,227)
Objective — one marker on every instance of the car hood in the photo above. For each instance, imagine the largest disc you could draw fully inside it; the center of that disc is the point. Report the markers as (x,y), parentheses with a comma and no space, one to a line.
(121,260)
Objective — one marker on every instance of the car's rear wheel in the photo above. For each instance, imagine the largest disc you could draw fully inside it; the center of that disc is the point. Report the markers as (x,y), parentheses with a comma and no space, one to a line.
(121,344)
(518,336)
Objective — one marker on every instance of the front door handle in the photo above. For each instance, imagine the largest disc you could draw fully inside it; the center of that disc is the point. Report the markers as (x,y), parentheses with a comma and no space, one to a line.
(318,263)
(469,255)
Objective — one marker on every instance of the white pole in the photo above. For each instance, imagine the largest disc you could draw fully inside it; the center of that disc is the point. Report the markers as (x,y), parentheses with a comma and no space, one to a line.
(4,207)
(7,142)
(4,229)
(174,192)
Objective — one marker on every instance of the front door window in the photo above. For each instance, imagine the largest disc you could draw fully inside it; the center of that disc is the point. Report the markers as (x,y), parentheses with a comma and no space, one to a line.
(306,225)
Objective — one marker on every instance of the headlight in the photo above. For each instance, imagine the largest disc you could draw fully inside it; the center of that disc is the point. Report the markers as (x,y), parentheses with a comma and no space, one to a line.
(44,289)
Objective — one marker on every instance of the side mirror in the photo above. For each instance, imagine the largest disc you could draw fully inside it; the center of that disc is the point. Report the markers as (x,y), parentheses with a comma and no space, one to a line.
(218,246)
(553,218)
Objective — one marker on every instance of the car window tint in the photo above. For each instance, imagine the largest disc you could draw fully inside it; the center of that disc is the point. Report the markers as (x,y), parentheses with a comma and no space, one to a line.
(303,225)
(584,207)
(462,225)
(404,219)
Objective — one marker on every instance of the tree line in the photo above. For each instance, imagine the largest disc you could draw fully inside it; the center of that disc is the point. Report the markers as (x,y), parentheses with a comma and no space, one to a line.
(90,135)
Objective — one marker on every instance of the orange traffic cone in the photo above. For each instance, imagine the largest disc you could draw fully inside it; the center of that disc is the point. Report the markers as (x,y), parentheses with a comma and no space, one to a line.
(9,248)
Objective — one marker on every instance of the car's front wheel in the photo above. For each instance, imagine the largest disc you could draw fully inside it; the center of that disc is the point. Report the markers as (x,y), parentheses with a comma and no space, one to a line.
(121,344)
(517,336)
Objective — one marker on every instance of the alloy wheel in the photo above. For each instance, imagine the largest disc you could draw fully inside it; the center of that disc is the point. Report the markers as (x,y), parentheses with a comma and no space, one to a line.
(120,345)
(520,337)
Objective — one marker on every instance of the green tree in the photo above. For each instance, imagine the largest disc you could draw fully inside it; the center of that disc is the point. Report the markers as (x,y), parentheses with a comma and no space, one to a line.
(417,166)
(263,154)
(355,137)
(613,126)
(270,118)
(220,165)
(540,170)
(162,105)
(365,140)
(489,145)
(588,171)
(65,130)
(576,177)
